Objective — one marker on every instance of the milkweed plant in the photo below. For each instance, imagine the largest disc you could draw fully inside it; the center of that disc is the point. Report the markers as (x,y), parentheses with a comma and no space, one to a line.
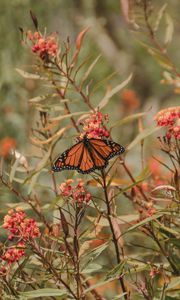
(67,235)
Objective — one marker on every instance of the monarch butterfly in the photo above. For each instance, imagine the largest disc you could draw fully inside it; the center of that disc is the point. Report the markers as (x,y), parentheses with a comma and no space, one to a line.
(88,155)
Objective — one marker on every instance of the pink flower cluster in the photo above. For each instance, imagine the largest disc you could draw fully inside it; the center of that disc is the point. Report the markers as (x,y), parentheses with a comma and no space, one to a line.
(151,211)
(20,226)
(78,193)
(170,117)
(154,271)
(14,254)
(43,46)
(94,127)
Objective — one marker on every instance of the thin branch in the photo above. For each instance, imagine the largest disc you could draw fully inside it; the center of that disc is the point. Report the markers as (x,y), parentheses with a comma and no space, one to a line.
(173,266)
(53,270)
(154,39)
(134,181)
(26,200)
(115,241)
(77,88)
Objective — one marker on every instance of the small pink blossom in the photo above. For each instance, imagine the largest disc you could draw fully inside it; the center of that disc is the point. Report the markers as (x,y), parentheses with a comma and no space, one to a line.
(154,271)
(77,192)
(93,127)
(174,131)
(13,254)
(151,211)
(170,117)
(20,226)
(43,45)
(66,188)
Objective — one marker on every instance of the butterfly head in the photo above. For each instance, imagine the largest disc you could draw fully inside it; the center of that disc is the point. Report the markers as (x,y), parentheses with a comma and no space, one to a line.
(85,139)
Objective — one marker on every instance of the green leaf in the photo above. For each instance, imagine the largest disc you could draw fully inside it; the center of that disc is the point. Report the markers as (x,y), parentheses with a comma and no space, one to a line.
(44,293)
(39,167)
(117,297)
(145,221)
(128,119)
(169,29)
(165,229)
(122,219)
(129,187)
(61,117)
(92,268)
(162,60)
(13,169)
(89,69)
(175,283)
(145,173)
(116,271)
(29,75)
(111,93)
(96,252)
(159,16)
(134,266)
(52,108)
(33,182)
(41,98)
(142,135)
(102,82)
(100,283)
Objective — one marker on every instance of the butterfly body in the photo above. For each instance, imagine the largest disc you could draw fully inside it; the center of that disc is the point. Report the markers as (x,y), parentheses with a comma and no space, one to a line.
(88,155)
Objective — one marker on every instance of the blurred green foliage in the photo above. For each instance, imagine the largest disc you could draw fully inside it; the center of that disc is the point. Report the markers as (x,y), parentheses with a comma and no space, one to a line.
(121,53)
(68,18)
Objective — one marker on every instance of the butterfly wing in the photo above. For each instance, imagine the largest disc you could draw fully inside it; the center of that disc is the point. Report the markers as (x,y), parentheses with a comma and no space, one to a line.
(106,148)
(86,163)
(97,154)
(69,159)
(76,158)
(86,157)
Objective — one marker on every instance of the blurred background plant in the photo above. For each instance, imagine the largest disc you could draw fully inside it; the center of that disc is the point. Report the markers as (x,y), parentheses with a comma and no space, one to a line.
(138,37)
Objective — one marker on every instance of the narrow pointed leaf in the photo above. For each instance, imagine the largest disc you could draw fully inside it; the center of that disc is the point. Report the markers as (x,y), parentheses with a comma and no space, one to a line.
(145,221)
(128,119)
(29,75)
(41,98)
(13,169)
(44,293)
(142,135)
(90,69)
(114,91)
(62,117)
(159,16)
(169,29)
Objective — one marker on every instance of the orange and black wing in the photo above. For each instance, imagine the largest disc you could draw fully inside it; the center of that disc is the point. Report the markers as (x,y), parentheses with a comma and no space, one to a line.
(77,158)
(106,149)
(86,159)
(69,159)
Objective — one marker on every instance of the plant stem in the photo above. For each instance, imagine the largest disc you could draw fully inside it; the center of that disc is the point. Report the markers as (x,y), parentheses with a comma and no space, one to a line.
(62,96)
(94,292)
(26,200)
(53,270)
(77,88)
(76,249)
(173,266)
(10,288)
(134,181)
(115,241)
